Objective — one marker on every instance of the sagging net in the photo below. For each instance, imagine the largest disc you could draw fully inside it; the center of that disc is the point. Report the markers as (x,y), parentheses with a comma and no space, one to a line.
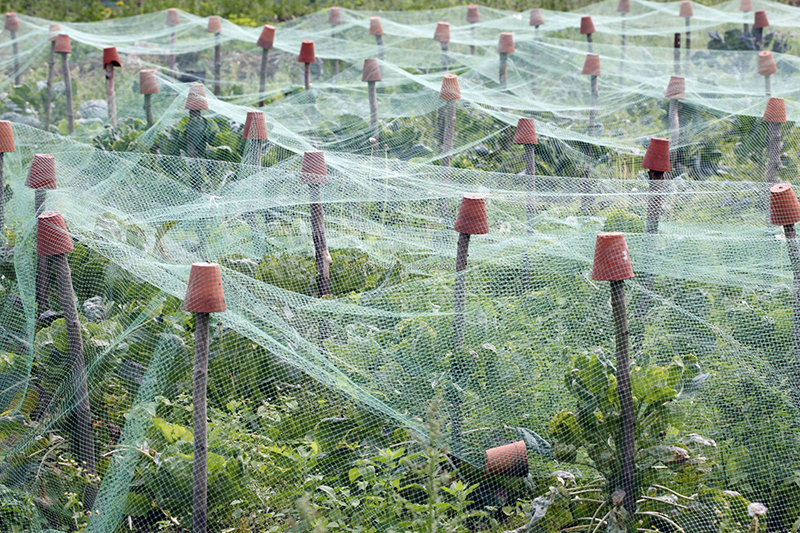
(421,329)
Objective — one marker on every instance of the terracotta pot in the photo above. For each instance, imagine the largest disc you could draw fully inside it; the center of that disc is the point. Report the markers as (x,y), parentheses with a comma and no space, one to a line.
(676,88)
(214,25)
(587,26)
(375,26)
(52,237)
(12,22)
(204,292)
(766,63)
(784,209)
(371,70)
(7,137)
(473,17)
(42,174)
(63,45)
(526,132)
(686,10)
(591,65)
(53,31)
(537,18)
(746,6)
(508,460)
(173,17)
(148,83)
(335,16)
(450,90)
(472,218)
(760,20)
(506,43)
(611,259)
(442,32)
(255,127)
(196,99)
(775,111)
(110,56)
(624,6)
(313,170)
(267,37)
(657,155)
(307,52)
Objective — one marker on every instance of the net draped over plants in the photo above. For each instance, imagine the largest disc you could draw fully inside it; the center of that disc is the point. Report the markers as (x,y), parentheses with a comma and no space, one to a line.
(381,406)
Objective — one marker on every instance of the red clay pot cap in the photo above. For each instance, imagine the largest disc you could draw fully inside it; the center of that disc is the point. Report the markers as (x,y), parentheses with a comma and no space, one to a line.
(204,292)
(173,17)
(537,19)
(766,63)
(371,70)
(506,43)
(761,20)
(657,155)
(686,10)
(12,22)
(63,45)
(7,137)
(746,5)
(611,259)
(775,111)
(472,218)
(313,170)
(591,65)
(450,90)
(255,127)
(526,132)
(784,209)
(676,88)
(214,25)
(442,32)
(375,26)
(148,83)
(624,6)
(335,16)
(52,237)
(196,99)
(508,460)
(267,37)
(473,17)
(111,57)
(307,52)
(42,174)
(587,26)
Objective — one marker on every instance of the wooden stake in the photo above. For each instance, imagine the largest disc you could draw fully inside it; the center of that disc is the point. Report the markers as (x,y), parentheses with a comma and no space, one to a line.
(472,46)
(589,40)
(321,254)
(654,207)
(379,42)
(15,45)
(503,74)
(794,259)
(373,110)
(200,417)
(445,56)
(2,194)
(677,54)
(110,96)
(172,54)
(758,34)
(530,208)
(68,92)
(773,151)
(593,105)
(48,99)
(262,75)
(335,61)
(194,124)
(675,130)
(459,292)
(43,261)
(688,43)
(307,76)
(148,110)
(217,66)
(768,85)
(622,39)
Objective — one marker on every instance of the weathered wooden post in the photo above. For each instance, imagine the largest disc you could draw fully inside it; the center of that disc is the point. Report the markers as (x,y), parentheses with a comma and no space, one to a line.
(307,57)
(7,145)
(687,12)
(111,60)
(759,24)
(623,8)
(173,19)
(676,55)
(508,460)
(525,135)
(148,86)
(376,29)
(64,47)
(587,29)
(473,17)
(676,91)
(53,241)
(254,133)
(591,68)
(12,26)
(505,46)
(335,19)
(442,35)
(54,30)
(371,73)
(767,67)
(774,116)
(314,173)
(745,6)
(215,27)
(204,295)
(196,103)
(265,41)
(450,93)
(612,263)
(41,178)
(536,20)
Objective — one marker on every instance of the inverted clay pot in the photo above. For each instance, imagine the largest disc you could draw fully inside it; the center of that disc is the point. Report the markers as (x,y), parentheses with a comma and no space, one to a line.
(506,43)
(42,174)
(12,22)
(63,44)
(214,25)
(442,32)
(508,460)
(526,132)
(686,10)
(111,57)
(657,155)
(371,70)
(53,30)
(7,137)
(335,16)
(196,99)
(173,17)
(766,63)
(307,52)
(611,259)
(587,26)
(775,111)
(784,208)
(52,237)
(375,26)
(760,20)
(204,292)
(537,18)
(313,170)
(591,65)
(676,88)
(472,218)
(473,17)
(255,127)
(746,6)
(624,6)
(450,90)
(267,37)
(148,83)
